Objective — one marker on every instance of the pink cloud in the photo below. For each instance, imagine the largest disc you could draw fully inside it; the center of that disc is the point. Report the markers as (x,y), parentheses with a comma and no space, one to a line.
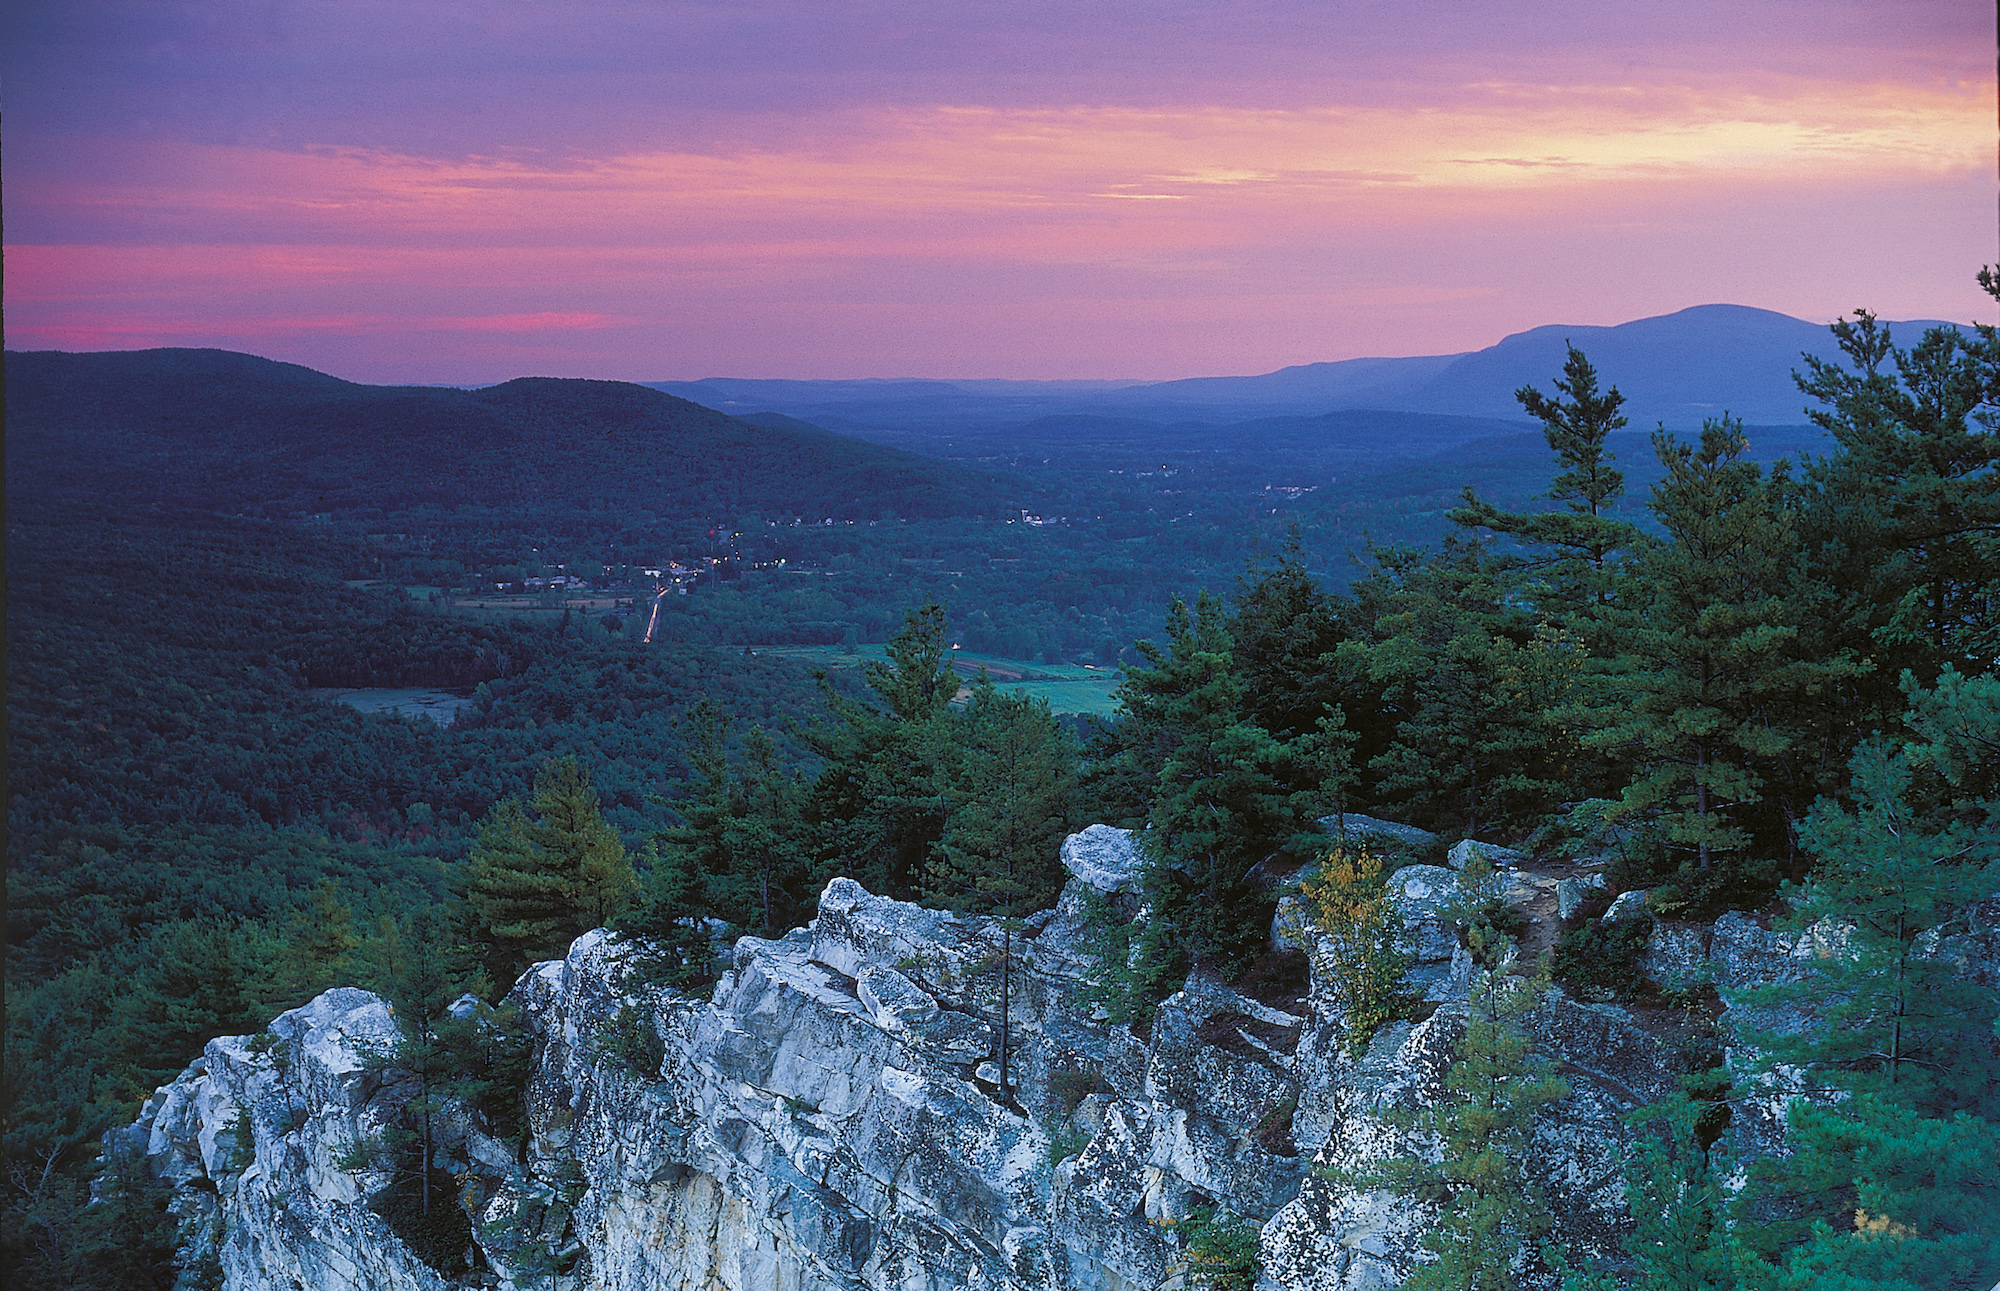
(435,192)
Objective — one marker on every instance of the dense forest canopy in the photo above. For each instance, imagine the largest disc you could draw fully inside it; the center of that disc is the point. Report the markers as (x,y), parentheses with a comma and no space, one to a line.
(1759,685)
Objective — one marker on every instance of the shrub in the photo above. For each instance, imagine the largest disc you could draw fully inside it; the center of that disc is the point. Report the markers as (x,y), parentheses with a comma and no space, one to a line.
(1069,1086)
(1602,955)
(1351,908)
(1221,1250)
(632,1042)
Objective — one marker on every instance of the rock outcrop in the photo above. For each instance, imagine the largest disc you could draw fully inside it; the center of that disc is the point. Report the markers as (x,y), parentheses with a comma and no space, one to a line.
(832,1116)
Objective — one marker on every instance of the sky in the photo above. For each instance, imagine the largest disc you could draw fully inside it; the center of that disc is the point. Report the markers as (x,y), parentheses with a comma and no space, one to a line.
(435,191)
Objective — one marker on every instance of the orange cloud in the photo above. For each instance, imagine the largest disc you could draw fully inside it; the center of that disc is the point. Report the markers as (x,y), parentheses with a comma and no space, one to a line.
(1279,224)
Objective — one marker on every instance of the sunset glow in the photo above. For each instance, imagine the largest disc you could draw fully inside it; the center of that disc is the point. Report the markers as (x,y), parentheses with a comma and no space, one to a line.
(1051,226)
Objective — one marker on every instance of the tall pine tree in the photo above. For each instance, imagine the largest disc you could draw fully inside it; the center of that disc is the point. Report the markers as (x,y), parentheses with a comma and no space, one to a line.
(534,885)
(1704,712)
(1220,804)
(1567,555)
(877,805)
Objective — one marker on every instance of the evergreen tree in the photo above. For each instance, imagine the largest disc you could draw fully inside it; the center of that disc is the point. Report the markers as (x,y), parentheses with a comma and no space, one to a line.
(877,805)
(1903,522)
(1680,1239)
(577,844)
(741,844)
(1012,786)
(315,950)
(1890,1182)
(1476,691)
(126,1240)
(191,990)
(535,885)
(1909,1202)
(668,921)
(424,970)
(1568,555)
(1286,635)
(765,837)
(1012,783)
(1715,662)
(1956,749)
(1284,632)
(1490,1213)
(1219,804)
(702,864)
(1891,1016)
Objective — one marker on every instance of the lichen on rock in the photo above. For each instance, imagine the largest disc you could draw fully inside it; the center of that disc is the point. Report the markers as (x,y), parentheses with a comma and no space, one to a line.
(830,1116)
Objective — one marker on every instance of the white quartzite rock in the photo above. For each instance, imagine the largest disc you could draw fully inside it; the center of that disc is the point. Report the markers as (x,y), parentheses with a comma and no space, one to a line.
(1104,858)
(1354,825)
(1629,905)
(1498,857)
(831,1117)
(1571,893)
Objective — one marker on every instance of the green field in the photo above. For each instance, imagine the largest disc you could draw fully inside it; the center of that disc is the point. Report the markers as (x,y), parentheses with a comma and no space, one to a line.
(1069,687)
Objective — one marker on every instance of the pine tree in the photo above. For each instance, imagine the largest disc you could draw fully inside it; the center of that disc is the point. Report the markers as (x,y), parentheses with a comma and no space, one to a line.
(1956,749)
(1490,1212)
(876,805)
(1219,804)
(576,843)
(1286,635)
(316,949)
(1680,1239)
(1284,630)
(1903,522)
(667,921)
(423,972)
(192,990)
(1908,1203)
(1476,690)
(764,834)
(1569,553)
(1715,661)
(126,1240)
(1891,1017)
(535,885)
(1012,781)
(1894,1143)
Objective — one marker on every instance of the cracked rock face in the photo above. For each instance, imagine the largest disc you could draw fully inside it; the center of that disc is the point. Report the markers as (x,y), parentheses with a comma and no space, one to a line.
(832,1117)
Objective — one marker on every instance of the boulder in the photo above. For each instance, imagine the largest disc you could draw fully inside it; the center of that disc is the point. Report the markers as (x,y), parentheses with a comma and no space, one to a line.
(1427,897)
(1676,956)
(1572,892)
(1354,825)
(1629,905)
(1104,858)
(1498,857)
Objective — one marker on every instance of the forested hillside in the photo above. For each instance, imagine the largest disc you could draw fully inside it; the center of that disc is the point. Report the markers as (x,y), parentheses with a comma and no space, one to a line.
(239,434)
(1766,688)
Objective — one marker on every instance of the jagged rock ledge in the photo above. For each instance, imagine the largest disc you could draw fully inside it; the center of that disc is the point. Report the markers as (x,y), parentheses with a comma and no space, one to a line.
(830,1118)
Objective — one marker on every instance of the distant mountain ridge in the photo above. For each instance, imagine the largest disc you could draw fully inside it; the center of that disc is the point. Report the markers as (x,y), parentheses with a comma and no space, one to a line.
(1674,368)
(219,430)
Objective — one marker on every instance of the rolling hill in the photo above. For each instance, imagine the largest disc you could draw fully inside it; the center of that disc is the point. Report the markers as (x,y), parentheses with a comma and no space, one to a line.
(232,432)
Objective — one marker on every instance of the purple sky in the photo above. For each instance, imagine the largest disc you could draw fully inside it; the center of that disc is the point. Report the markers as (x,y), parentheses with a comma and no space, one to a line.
(469,192)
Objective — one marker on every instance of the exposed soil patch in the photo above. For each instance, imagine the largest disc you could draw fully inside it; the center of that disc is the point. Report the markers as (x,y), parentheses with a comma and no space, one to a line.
(1231,1032)
(1274,1132)
(1278,978)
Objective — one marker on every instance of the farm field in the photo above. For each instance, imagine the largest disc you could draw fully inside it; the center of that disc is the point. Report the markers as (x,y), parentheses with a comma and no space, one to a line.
(1069,688)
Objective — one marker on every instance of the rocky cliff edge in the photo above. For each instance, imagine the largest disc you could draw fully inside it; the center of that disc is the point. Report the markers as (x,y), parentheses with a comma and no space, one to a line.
(832,1116)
